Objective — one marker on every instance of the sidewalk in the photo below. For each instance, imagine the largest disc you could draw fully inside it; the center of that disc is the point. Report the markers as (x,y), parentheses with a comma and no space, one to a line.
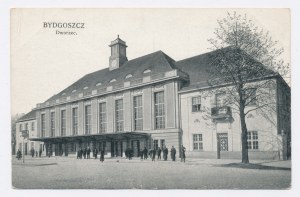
(189,161)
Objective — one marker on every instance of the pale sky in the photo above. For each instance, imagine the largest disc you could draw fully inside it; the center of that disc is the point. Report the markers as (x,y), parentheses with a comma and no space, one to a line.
(43,63)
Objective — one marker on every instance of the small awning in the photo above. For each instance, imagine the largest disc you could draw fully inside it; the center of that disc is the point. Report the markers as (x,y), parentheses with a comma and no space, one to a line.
(93,137)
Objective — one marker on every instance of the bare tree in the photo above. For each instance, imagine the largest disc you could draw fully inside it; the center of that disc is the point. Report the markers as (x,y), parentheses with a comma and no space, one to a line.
(245,63)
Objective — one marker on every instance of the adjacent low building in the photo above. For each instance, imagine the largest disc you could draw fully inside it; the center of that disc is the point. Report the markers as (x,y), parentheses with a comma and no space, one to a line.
(153,101)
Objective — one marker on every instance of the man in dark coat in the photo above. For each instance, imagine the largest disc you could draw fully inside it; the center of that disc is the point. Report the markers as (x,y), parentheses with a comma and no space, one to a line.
(165,153)
(130,153)
(152,154)
(182,153)
(19,154)
(145,151)
(80,153)
(173,153)
(40,152)
(32,152)
(101,155)
(88,153)
(127,153)
(95,152)
(141,154)
(158,153)
(84,153)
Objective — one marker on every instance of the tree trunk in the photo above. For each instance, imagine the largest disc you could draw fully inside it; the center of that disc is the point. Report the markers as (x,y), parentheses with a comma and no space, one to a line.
(245,158)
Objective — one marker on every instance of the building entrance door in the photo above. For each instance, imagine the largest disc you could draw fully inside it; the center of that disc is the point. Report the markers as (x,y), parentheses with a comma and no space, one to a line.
(135,148)
(223,141)
(116,149)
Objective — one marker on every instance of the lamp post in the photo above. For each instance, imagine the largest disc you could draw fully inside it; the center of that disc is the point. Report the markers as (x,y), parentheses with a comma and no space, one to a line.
(24,135)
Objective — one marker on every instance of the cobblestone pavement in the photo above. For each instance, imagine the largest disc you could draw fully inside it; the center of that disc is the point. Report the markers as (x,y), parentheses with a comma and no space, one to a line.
(70,173)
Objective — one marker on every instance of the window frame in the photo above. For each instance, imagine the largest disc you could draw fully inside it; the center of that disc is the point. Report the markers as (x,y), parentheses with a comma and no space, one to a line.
(102,117)
(198,139)
(52,124)
(63,122)
(119,115)
(252,140)
(43,125)
(159,110)
(138,112)
(74,120)
(87,119)
(196,106)
(220,97)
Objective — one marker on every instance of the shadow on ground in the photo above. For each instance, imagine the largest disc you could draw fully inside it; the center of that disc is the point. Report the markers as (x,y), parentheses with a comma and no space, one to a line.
(252,166)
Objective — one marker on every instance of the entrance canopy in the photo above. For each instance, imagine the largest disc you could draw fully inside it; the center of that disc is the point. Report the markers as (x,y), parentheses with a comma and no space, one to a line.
(93,137)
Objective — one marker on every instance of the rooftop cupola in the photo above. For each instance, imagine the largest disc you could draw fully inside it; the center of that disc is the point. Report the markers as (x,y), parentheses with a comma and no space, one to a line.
(118,53)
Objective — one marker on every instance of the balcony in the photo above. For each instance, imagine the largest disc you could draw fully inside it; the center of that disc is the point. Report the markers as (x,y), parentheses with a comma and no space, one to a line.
(221,113)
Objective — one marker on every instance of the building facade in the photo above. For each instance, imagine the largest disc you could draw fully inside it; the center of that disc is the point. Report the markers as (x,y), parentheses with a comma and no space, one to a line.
(152,101)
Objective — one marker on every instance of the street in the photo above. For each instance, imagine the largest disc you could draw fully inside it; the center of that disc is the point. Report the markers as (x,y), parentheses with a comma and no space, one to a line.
(119,173)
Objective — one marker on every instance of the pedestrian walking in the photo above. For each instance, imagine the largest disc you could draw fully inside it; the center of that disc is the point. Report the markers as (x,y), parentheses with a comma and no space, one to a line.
(130,153)
(40,152)
(158,153)
(101,155)
(32,152)
(145,151)
(95,153)
(152,154)
(36,153)
(88,153)
(165,153)
(19,154)
(84,153)
(80,153)
(182,153)
(173,153)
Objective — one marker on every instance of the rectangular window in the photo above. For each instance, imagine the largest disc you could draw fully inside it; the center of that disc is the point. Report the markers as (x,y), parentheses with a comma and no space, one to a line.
(197,142)
(52,124)
(20,127)
(88,119)
(26,126)
(102,117)
(159,109)
(32,126)
(252,140)
(63,122)
(220,99)
(75,121)
(196,104)
(119,115)
(43,125)
(138,113)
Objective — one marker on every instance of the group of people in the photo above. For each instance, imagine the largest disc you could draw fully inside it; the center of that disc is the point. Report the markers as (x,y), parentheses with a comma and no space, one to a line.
(36,153)
(32,153)
(153,152)
(129,153)
(86,153)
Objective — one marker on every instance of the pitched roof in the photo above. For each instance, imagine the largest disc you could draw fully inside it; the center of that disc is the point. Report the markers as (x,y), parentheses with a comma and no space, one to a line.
(157,62)
(29,116)
(198,68)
